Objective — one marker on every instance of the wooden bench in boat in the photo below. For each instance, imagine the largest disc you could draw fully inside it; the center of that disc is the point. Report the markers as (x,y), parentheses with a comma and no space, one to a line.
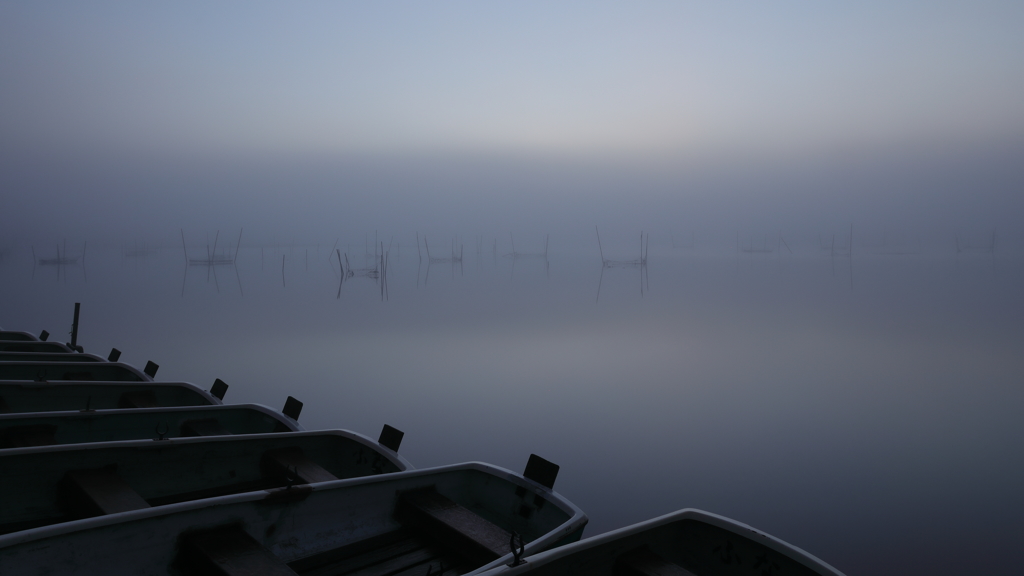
(291,466)
(228,551)
(100,491)
(28,435)
(454,526)
(439,537)
(397,553)
(138,399)
(645,562)
(203,427)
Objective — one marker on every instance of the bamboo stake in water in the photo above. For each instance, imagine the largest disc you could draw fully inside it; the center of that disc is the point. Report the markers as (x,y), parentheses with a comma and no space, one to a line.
(183,245)
(333,248)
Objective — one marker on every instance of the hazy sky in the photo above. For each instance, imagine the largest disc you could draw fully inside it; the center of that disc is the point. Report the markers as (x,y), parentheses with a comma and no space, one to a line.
(117,102)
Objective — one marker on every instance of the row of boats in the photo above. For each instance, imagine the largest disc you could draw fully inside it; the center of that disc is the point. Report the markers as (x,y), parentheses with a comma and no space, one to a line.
(104,470)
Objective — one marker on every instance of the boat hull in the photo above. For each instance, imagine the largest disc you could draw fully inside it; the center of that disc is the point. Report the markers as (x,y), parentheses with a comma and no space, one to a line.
(300,526)
(68,371)
(78,426)
(34,346)
(17,397)
(17,336)
(684,542)
(28,356)
(42,486)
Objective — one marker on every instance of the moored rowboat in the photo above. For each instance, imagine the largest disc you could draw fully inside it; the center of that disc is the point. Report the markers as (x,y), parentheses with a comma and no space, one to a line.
(63,396)
(78,426)
(28,356)
(77,371)
(52,484)
(684,543)
(449,520)
(30,346)
(18,336)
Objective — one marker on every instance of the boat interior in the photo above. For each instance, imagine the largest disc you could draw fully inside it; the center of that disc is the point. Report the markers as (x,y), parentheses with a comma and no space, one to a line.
(76,427)
(63,483)
(76,371)
(34,346)
(60,356)
(18,397)
(450,520)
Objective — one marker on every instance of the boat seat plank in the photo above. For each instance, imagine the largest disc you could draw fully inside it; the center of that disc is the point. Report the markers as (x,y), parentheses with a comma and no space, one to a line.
(138,399)
(357,554)
(645,562)
(80,376)
(203,427)
(470,535)
(229,552)
(392,554)
(438,567)
(212,492)
(28,435)
(96,492)
(292,464)
(419,557)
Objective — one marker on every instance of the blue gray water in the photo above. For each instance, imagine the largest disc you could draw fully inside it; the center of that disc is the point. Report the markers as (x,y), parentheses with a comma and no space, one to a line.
(868,411)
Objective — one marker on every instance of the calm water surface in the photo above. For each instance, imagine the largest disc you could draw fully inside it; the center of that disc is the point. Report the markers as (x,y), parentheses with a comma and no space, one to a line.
(866,411)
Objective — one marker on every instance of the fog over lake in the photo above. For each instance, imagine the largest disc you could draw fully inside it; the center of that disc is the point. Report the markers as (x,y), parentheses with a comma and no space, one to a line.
(844,405)
(825,339)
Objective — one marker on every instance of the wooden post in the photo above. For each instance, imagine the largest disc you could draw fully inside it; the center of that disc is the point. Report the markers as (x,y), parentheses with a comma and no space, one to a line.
(74,326)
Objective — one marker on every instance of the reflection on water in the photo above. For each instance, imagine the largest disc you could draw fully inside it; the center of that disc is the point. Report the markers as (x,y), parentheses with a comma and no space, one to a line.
(866,409)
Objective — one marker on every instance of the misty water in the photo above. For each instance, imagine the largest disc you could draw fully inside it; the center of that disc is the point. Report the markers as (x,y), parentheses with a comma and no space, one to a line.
(867,410)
